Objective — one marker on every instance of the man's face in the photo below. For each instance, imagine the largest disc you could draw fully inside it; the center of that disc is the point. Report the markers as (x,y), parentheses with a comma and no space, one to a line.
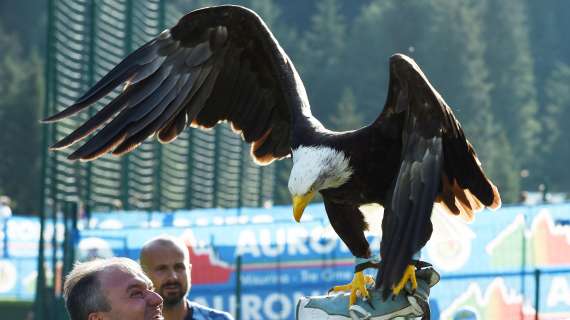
(130,296)
(169,271)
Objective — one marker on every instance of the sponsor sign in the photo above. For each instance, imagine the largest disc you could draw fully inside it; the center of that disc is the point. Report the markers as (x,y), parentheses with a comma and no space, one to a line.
(489,268)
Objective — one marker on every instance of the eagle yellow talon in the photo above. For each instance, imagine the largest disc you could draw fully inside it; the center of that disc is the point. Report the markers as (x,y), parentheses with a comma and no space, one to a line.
(357,286)
(409,274)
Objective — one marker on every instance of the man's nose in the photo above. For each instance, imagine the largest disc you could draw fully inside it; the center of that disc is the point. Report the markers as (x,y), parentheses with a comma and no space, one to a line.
(153,299)
(172,274)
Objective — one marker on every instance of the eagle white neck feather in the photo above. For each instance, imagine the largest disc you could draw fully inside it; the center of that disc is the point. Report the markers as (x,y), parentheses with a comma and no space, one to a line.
(317,168)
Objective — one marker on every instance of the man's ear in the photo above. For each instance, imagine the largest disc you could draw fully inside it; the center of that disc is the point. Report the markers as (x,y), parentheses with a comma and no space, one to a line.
(95,316)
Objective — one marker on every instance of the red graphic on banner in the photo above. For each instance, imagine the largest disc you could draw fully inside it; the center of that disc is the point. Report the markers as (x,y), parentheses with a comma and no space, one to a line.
(497,301)
(547,244)
(206,269)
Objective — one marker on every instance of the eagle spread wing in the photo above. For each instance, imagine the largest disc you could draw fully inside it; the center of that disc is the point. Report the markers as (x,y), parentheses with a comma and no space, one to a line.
(217,64)
(438,164)
(223,64)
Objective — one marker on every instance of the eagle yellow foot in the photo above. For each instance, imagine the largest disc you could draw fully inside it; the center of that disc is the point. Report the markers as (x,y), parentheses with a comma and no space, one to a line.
(409,275)
(358,285)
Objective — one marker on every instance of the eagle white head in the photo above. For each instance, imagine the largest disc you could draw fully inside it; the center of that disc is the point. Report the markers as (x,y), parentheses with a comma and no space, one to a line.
(316,168)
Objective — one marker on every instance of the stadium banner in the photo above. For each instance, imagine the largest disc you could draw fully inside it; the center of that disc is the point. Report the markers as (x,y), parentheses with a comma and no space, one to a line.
(491,268)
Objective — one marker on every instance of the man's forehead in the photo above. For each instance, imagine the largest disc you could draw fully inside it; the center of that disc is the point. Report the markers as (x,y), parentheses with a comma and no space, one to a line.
(121,278)
(160,252)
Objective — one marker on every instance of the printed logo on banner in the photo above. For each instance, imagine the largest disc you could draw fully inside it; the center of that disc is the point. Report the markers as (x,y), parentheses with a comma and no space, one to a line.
(496,303)
(93,247)
(8,276)
(502,302)
(207,268)
(262,249)
(547,244)
(260,305)
(29,283)
(449,248)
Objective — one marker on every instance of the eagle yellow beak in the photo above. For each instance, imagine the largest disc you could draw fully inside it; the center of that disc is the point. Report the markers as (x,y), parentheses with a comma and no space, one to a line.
(299,204)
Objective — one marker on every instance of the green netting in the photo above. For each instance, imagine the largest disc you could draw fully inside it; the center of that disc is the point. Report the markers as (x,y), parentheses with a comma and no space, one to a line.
(199,169)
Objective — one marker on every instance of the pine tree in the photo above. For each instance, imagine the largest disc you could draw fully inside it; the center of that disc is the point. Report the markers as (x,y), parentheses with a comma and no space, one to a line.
(376,34)
(513,92)
(555,142)
(457,68)
(320,57)
(25,23)
(20,102)
(550,44)
(347,116)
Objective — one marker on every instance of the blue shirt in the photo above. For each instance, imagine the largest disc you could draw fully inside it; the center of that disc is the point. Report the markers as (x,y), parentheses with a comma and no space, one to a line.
(200,312)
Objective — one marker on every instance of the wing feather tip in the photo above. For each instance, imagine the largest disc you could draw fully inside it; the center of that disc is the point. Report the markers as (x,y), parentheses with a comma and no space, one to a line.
(50,119)
(58,116)
(497,202)
(57,146)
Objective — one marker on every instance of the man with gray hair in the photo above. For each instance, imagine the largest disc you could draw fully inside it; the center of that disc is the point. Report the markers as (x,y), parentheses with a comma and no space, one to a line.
(110,289)
(166,261)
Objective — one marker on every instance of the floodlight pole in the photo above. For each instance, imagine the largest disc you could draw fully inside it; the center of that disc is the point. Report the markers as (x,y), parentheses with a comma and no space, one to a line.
(39,300)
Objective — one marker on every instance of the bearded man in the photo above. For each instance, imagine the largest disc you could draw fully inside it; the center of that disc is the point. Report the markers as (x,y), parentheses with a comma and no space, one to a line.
(166,261)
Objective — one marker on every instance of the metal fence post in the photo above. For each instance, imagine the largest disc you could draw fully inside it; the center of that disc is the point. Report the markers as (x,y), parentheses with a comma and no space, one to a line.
(536,293)
(217,165)
(190,173)
(39,300)
(238,287)
(90,82)
(5,253)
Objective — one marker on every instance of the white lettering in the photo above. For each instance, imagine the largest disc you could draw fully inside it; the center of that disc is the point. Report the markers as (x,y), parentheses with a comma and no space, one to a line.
(218,302)
(293,241)
(254,307)
(250,307)
(232,305)
(201,300)
(331,275)
(297,241)
(264,279)
(247,244)
(559,292)
(265,241)
(281,311)
(308,276)
(323,240)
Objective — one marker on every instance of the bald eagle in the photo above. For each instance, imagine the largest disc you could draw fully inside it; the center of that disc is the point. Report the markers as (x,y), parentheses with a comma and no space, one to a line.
(223,64)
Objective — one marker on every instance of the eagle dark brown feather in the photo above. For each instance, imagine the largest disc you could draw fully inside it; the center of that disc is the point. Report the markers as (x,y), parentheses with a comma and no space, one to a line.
(170,80)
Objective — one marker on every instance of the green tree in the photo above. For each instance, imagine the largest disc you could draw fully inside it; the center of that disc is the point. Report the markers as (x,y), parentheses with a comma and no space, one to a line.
(461,75)
(376,34)
(556,136)
(320,57)
(27,20)
(548,22)
(347,116)
(513,92)
(20,100)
